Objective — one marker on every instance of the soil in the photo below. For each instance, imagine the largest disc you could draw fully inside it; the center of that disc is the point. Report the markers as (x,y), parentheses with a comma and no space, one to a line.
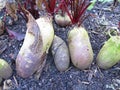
(102,18)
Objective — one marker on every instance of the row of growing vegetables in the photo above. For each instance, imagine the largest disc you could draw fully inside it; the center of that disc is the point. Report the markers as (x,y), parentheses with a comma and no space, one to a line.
(40,37)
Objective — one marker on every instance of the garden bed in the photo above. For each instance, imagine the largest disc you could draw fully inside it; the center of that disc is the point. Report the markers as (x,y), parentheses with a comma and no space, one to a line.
(93,78)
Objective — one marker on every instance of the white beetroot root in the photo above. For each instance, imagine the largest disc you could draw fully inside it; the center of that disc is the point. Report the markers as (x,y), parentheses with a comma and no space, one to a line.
(29,56)
(62,20)
(5,69)
(32,55)
(60,53)
(47,31)
(80,48)
(109,54)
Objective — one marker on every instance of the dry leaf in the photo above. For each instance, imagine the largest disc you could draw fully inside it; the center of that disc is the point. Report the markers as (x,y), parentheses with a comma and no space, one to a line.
(11,8)
(2,4)
(1,27)
(15,35)
(7,84)
(39,4)
(3,46)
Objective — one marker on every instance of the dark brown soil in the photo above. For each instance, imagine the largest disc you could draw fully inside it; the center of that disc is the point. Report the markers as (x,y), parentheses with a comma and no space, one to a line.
(73,79)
